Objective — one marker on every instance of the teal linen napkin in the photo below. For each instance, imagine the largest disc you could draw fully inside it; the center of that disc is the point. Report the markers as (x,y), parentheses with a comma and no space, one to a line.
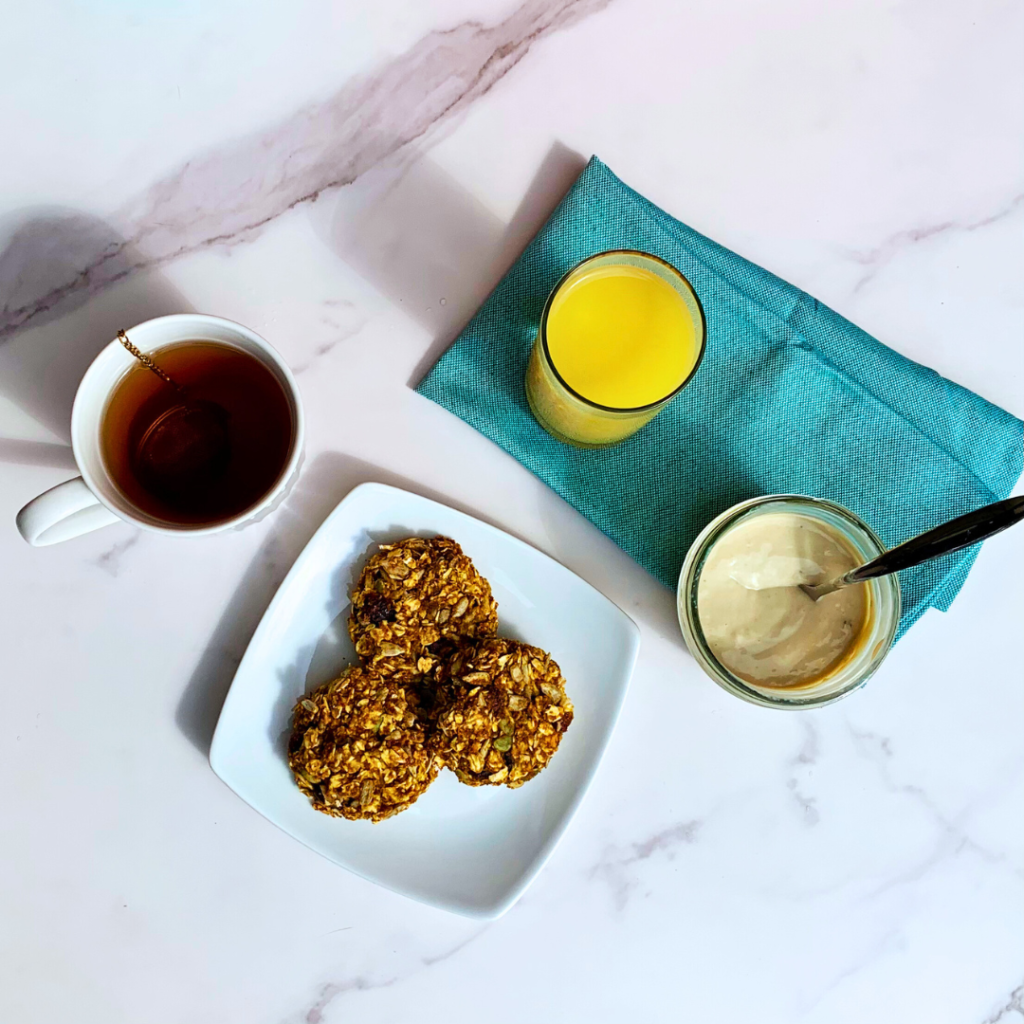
(790,397)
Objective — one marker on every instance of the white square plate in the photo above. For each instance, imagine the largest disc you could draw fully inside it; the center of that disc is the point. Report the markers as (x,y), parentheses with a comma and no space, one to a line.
(471,850)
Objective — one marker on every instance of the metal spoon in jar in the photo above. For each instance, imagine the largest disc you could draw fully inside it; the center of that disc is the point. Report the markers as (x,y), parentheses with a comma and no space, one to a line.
(942,540)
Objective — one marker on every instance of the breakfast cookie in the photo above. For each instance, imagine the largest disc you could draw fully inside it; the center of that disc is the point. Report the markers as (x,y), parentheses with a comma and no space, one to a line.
(358,749)
(503,712)
(413,594)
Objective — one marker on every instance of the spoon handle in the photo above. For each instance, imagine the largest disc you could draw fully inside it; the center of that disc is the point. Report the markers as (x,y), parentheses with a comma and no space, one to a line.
(942,540)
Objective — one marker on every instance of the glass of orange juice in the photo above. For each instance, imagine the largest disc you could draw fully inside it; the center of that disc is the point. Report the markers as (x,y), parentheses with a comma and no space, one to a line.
(620,336)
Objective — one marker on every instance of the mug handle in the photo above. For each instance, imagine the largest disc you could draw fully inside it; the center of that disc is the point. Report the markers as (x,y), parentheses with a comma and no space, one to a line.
(65,511)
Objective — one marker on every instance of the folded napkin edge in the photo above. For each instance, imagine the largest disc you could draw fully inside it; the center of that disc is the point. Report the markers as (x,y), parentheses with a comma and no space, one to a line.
(684,234)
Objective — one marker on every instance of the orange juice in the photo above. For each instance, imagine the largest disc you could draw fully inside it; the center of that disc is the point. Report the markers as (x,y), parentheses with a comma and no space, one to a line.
(621,334)
(621,337)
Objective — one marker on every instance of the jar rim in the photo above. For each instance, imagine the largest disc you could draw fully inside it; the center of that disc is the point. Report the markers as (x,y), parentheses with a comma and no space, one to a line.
(689,622)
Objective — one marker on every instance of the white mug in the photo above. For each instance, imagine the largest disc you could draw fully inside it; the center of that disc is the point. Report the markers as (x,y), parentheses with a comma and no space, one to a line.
(93,499)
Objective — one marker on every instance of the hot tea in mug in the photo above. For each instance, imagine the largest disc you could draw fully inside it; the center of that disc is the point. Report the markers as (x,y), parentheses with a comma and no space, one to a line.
(203,445)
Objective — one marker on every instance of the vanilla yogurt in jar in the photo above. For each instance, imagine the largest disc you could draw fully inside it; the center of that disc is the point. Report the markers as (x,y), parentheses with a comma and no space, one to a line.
(754,631)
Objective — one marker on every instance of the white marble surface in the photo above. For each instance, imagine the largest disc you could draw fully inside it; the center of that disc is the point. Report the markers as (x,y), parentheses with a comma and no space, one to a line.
(349,180)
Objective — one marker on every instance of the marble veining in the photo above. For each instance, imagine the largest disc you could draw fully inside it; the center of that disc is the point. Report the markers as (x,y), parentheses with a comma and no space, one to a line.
(876,258)
(950,838)
(1010,1010)
(227,196)
(330,993)
(110,560)
(617,866)
(889,942)
(810,751)
(342,322)
(889,867)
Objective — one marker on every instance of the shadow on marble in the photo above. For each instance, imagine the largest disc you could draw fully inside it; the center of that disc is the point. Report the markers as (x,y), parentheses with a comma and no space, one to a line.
(41,365)
(20,452)
(427,243)
(328,479)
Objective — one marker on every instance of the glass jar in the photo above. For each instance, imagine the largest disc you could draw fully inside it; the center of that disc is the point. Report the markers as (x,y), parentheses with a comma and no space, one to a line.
(853,671)
(572,417)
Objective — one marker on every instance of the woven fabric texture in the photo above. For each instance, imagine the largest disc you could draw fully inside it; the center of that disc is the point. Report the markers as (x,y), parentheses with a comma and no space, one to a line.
(790,398)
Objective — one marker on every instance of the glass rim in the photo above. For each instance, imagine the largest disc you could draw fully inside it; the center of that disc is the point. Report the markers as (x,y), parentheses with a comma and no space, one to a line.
(631,410)
(693,634)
